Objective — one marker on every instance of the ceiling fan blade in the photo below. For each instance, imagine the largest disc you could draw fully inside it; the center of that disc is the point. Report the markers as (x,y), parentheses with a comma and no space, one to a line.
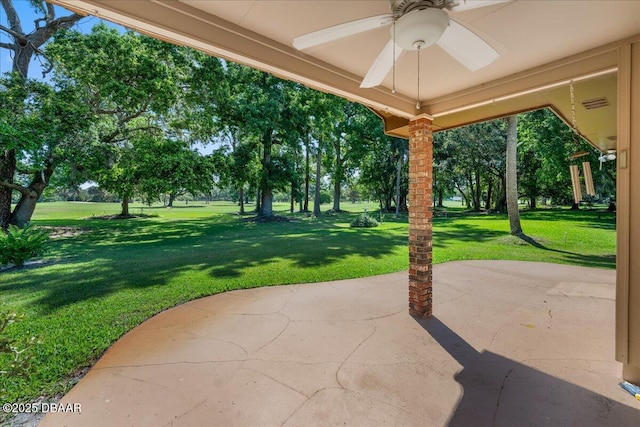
(341,31)
(474,4)
(381,66)
(467,47)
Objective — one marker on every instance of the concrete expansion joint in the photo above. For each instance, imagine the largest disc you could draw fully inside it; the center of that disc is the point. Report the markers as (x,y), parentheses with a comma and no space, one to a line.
(350,354)
(504,382)
(235,344)
(289,321)
(275,380)
(496,334)
(296,410)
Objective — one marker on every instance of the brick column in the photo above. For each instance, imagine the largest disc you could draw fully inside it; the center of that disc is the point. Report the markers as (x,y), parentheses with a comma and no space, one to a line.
(420,215)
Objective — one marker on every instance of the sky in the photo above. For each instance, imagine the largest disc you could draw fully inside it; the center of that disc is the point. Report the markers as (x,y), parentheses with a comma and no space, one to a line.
(27,17)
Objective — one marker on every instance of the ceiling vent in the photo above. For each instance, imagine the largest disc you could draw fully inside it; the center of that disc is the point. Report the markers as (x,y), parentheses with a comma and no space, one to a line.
(592,104)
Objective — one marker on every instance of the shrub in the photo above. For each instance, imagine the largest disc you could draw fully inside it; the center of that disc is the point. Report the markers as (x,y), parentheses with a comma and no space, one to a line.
(18,245)
(13,352)
(364,221)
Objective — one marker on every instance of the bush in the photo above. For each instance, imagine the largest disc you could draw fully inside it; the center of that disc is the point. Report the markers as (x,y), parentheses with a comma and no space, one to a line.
(325,197)
(18,245)
(16,354)
(364,221)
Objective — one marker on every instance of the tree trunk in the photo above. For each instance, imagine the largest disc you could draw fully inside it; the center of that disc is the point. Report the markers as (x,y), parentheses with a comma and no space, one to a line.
(463,195)
(398,178)
(293,197)
(241,197)
(501,203)
(266,207)
(7,170)
(316,198)
(487,205)
(337,179)
(512,176)
(21,61)
(25,208)
(477,193)
(172,197)
(125,206)
(337,190)
(307,175)
(471,190)
(532,203)
(23,211)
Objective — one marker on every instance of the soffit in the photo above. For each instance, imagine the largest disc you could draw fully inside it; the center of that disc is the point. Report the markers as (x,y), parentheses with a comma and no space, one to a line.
(527,33)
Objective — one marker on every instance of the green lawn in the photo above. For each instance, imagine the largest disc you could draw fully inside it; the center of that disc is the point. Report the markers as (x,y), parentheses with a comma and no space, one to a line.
(110,275)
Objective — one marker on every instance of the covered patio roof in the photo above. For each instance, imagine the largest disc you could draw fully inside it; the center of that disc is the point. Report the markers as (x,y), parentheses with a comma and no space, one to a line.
(542,46)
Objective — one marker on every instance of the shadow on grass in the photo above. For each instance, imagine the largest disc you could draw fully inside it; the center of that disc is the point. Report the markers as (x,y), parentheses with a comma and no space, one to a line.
(597,261)
(589,218)
(455,232)
(147,253)
(167,207)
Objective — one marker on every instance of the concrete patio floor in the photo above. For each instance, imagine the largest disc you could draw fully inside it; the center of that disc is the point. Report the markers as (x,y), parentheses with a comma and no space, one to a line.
(510,344)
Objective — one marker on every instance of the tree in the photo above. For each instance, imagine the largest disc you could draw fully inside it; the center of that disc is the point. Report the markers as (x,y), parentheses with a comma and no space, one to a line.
(475,159)
(23,46)
(267,109)
(443,174)
(512,176)
(379,169)
(547,142)
(528,166)
(322,113)
(135,85)
(240,166)
(316,196)
(169,166)
(350,140)
(42,126)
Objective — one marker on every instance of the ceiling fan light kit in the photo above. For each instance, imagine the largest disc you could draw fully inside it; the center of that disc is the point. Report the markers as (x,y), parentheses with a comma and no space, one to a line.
(420,28)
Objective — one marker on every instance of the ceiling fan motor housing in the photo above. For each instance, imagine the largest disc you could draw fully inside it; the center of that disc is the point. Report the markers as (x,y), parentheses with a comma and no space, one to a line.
(420,28)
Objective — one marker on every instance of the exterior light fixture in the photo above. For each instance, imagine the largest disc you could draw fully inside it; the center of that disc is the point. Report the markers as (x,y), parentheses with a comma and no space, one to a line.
(420,28)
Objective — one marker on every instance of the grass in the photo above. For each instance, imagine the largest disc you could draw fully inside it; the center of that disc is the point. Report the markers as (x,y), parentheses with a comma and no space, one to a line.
(107,276)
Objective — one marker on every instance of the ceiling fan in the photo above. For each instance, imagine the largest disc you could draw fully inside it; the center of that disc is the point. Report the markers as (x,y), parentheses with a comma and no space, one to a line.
(415,25)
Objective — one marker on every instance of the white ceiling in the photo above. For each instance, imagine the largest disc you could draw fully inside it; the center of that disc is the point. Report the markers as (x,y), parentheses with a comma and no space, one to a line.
(526,33)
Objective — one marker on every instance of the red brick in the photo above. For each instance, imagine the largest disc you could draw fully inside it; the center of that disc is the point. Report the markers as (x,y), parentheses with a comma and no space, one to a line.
(420,216)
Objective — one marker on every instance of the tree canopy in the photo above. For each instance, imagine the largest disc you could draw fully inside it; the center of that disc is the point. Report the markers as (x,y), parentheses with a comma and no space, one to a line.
(133,114)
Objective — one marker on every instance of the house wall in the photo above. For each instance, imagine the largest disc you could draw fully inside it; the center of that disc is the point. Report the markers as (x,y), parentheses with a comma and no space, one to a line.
(628,219)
